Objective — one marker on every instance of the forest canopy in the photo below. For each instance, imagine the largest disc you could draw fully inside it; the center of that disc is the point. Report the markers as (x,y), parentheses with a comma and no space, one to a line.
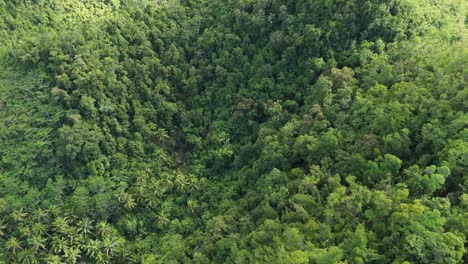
(236,131)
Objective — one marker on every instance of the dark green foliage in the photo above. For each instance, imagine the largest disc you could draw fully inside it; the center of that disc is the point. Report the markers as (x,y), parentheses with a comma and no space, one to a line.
(249,131)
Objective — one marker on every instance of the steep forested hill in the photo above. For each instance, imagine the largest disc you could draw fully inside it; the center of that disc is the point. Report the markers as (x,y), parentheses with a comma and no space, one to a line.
(237,131)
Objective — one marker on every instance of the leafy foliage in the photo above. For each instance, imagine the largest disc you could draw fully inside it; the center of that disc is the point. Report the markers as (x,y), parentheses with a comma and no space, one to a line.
(245,131)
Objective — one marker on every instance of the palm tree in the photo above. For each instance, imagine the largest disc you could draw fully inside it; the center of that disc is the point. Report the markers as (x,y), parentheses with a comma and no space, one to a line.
(100,259)
(161,135)
(181,182)
(38,228)
(193,183)
(59,244)
(3,205)
(120,195)
(155,187)
(192,205)
(54,210)
(152,201)
(163,157)
(38,242)
(85,226)
(129,202)
(18,215)
(93,248)
(109,245)
(74,236)
(13,245)
(103,228)
(169,181)
(72,254)
(53,259)
(25,231)
(27,257)
(163,218)
(140,193)
(41,215)
(2,228)
(61,224)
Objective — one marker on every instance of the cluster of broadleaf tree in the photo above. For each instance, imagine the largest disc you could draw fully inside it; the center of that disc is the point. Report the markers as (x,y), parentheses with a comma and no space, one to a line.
(238,131)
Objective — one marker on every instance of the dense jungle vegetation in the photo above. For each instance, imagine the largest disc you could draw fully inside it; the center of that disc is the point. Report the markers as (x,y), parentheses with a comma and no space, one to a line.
(235,131)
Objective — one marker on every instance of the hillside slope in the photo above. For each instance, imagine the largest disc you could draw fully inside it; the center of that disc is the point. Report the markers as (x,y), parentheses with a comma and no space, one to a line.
(244,131)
